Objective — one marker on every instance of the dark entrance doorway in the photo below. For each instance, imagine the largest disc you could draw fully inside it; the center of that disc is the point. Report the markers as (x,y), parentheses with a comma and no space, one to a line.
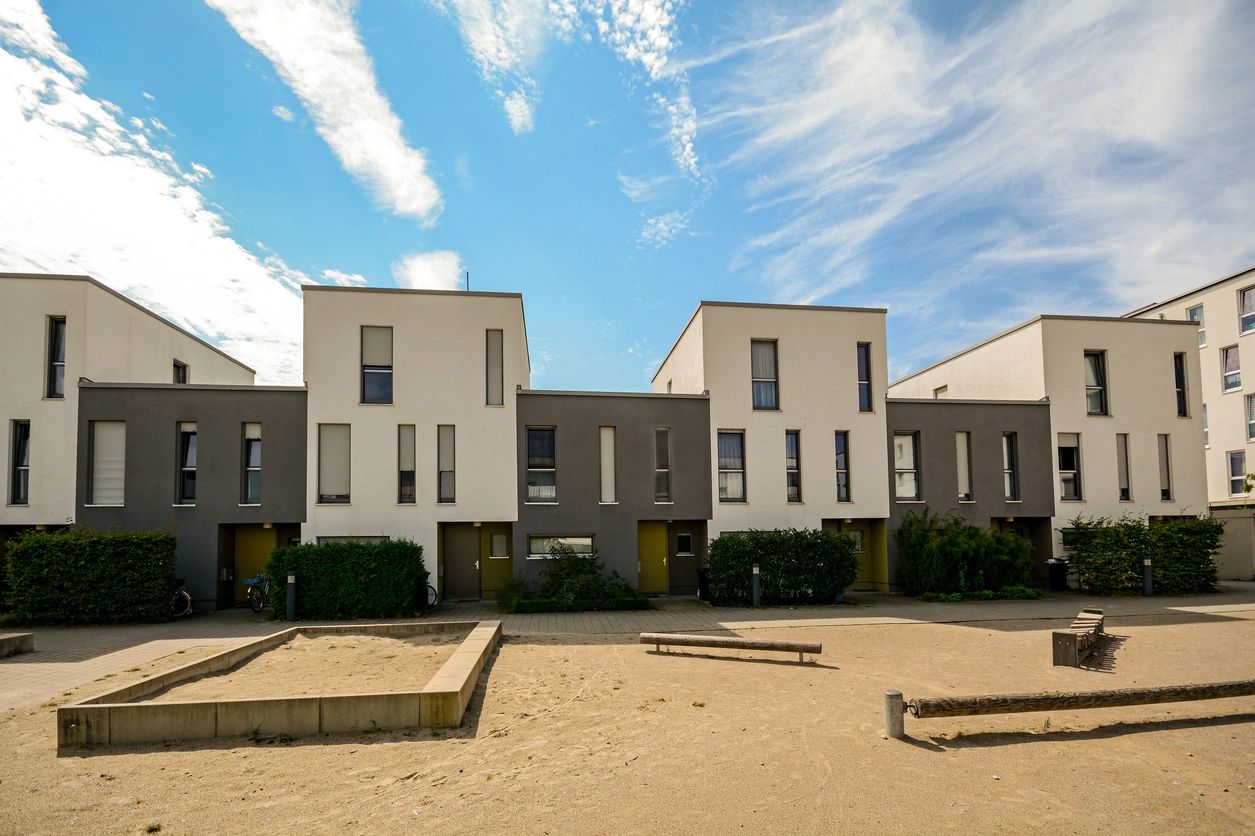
(461,561)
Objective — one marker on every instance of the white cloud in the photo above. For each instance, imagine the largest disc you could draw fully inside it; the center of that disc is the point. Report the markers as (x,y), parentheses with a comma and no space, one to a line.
(518,110)
(344,279)
(661,230)
(148,95)
(681,129)
(435,270)
(202,172)
(315,47)
(83,195)
(641,31)
(283,113)
(645,188)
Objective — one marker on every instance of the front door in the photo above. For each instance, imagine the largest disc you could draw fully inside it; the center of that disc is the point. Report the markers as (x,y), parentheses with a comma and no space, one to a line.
(651,551)
(461,561)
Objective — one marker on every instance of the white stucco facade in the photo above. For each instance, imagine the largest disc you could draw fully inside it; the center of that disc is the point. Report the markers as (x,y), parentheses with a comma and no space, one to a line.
(108,339)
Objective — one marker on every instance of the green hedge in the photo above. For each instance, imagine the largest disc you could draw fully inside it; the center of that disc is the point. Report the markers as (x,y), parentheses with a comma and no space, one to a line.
(350,579)
(1107,554)
(77,576)
(571,582)
(4,576)
(796,566)
(948,555)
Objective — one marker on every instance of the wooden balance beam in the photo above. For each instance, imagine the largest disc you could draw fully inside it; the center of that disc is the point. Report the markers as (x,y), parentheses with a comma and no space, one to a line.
(729,642)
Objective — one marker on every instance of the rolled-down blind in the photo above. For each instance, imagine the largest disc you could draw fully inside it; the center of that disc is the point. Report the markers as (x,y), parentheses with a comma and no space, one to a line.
(495,358)
(376,346)
(252,430)
(607,464)
(444,447)
(405,442)
(333,460)
(108,477)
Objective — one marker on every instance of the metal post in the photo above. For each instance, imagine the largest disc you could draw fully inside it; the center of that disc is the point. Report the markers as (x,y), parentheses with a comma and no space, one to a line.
(758,588)
(292,597)
(1147,586)
(895,709)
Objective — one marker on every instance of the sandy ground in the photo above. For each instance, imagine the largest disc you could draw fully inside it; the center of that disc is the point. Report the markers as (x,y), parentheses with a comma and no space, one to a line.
(593,735)
(344,664)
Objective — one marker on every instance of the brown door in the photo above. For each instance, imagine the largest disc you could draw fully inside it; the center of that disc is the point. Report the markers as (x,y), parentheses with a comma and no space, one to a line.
(461,561)
(685,557)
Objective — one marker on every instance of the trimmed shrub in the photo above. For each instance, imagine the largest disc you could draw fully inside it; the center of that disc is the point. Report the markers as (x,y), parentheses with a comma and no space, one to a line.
(350,579)
(571,582)
(78,576)
(949,556)
(796,566)
(4,576)
(1107,554)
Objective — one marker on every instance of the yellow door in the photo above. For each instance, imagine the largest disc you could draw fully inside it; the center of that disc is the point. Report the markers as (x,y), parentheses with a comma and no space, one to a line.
(651,552)
(253,545)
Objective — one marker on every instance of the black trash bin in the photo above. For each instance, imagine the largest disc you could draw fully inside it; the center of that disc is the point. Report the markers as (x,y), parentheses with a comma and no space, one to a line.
(703,583)
(1058,572)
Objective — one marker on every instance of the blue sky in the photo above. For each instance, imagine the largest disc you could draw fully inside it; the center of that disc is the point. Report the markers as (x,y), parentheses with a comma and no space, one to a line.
(966,165)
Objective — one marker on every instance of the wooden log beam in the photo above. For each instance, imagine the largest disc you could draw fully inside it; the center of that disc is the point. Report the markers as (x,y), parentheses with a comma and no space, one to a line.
(1065,701)
(729,642)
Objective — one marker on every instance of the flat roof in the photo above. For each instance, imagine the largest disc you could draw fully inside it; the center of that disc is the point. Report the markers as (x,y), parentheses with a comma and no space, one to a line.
(1180,296)
(972,401)
(84,383)
(336,288)
(577,393)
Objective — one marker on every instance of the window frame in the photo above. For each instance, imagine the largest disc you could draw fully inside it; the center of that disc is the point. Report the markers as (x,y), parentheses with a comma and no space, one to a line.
(1239,480)
(914,470)
(402,482)
(793,473)
(662,473)
(54,389)
(679,549)
(1246,319)
(774,380)
(329,498)
(1200,320)
(19,450)
(1076,472)
(841,438)
(1124,468)
(181,374)
(560,538)
(489,393)
(721,486)
(863,372)
(376,369)
(1010,466)
(443,497)
(1181,381)
(92,465)
(1164,445)
(1102,385)
(245,497)
(608,465)
(541,468)
(1236,374)
(187,450)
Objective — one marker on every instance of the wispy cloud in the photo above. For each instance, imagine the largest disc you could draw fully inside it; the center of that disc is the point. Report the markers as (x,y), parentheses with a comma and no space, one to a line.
(315,47)
(344,279)
(283,113)
(435,270)
(661,230)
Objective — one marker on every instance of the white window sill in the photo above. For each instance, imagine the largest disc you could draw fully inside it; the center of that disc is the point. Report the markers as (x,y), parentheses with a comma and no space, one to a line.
(908,501)
(376,403)
(447,504)
(183,505)
(249,505)
(602,502)
(1065,499)
(1230,391)
(18,505)
(498,557)
(495,405)
(1014,501)
(685,554)
(664,502)
(552,503)
(967,501)
(333,504)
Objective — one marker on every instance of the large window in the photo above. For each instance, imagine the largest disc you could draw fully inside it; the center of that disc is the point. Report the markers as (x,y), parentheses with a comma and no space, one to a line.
(538,547)
(864,354)
(376,364)
(1246,321)
(1070,466)
(608,494)
(1178,373)
(905,466)
(963,460)
(107,477)
(763,374)
(1122,467)
(662,464)
(252,464)
(446,461)
(1165,468)
(407,461)
(843,466)
(1010,467)
(333,463)
(1195,314)
(186,477)
(542,465)
(55,385)
(495,361)
(1237,472)
(731,466)
(1096,382)
(793,465)
(1231,364)
(20,463)
(180,375)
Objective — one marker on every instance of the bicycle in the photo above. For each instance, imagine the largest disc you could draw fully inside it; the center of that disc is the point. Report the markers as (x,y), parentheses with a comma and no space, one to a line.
(432,597)
(181,600)
(259,588)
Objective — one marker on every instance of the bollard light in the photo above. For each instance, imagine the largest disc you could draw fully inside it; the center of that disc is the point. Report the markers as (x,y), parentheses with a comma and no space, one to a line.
(757,588)
(291,597)
(1148,587)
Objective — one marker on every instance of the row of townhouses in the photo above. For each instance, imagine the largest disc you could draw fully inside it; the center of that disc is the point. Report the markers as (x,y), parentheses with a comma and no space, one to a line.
(417,421)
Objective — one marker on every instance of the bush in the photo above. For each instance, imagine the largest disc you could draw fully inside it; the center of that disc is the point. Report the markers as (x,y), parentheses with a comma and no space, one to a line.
(571,582)
(78,576)
(350,579)
(4,576)
(948,556)
(796,566)
(1107,555)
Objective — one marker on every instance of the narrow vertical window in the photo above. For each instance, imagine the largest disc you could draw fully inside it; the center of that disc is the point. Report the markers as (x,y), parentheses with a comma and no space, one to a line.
(1178,372)
(905,466)
(1231,363)
(843,466)
(662,464)
(1249,413)
(1165,468)
(1195,314)
(407,460)
(864,377)
(1237,472)
(446,483)
(1250,419)
(963,458)
(180,372)
(107,477)
(1246,321)
(252,463)
(607,464)
(334,462)
(542,465)
(376,364)
(1122,467)
(186,491)
(763,374)
(1010,467)
(1070,466)
(1096,382)
(793,465)
(56,358)
(495,359)
(19,472)
(731,466)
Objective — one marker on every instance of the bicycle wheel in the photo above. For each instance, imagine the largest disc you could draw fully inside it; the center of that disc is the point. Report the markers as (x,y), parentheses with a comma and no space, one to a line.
(180,603)
(256,599)
(431,596)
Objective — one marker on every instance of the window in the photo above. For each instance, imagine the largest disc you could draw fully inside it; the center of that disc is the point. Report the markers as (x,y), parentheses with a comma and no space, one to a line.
(963,458)
(1195,314)
(1206,439)
(1246,322)
(407,462)
(180,372)
(843,466)
(864,377)
(1178,371)
(20,470)
(731,466)
(1096,382)
(662,464)
(107,477)
(940,392)
(905,469)
(494,395)
(56,357)
(446,485)
(763,374)
(856,534)
(333,463)
(1010,467)
(684,544)
(1070,466)
(1122,467)
(607,465)
(538,548)
(1165,469)
(1237,472)
(1231,364)
(793,465)
(542,465)
(499,546)
(252,464)
(186,490)
(376,364)
(668,387)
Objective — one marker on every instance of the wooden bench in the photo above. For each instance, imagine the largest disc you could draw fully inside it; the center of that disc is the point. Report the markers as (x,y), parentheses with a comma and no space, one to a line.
(1072,645)
(729,642)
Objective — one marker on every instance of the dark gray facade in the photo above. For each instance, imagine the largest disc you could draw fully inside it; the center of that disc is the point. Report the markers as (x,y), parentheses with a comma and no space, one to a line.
(936,424)
(627,533)
(219,535)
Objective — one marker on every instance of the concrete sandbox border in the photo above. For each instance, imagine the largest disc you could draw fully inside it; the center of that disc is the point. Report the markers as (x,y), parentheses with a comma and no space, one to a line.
(114,717)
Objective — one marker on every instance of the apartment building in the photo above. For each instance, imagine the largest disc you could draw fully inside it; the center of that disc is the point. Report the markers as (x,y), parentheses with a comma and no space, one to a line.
(411,421)
(1126,409)
(797,418)
(54,331)
(1223,312)
(626,475)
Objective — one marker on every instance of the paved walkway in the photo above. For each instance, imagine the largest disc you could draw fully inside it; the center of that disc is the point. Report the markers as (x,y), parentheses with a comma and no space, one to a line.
(67,657)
